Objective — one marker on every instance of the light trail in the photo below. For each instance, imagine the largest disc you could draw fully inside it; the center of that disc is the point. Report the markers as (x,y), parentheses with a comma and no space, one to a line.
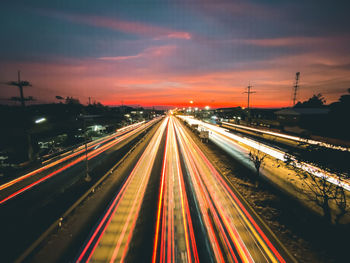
(99,141)
(75,152)
(224,135)
(111,238)
(177,242)
(290,137)
(233,233)
(91,154)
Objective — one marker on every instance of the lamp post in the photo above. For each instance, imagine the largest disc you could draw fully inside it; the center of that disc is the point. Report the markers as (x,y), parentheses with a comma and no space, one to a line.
(85,118)
(87,175)
(40,120)
(29,138)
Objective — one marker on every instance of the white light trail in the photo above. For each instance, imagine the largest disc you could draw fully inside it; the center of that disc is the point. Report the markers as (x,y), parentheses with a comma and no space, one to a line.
(278,154)
(290,137)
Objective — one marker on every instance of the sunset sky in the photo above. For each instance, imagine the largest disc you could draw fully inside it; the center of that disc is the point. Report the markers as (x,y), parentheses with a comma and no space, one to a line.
(168,52)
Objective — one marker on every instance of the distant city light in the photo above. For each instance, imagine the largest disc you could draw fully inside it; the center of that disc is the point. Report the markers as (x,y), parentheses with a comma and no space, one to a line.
(40,120)
(207,107)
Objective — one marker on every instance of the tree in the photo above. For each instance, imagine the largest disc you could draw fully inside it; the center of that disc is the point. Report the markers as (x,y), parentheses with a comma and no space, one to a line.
(59,97)
(341,203)
(257,157)
(71,100)
(316,101)
(320,191)
(339,113)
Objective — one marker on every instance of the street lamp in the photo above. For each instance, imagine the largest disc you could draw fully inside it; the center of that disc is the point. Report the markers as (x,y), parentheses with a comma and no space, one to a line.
(40,120)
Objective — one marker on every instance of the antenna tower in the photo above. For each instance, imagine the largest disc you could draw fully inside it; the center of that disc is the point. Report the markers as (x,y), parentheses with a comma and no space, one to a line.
(295,88)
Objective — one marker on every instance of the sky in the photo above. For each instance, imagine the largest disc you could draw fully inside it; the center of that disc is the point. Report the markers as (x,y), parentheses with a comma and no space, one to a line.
(169,52)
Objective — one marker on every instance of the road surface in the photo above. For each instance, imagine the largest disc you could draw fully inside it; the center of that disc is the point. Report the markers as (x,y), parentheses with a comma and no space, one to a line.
(190,189)
(110,240)
(240,147)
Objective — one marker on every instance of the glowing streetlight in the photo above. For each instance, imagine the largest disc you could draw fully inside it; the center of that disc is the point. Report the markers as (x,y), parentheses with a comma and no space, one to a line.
(207,107)
(40,120)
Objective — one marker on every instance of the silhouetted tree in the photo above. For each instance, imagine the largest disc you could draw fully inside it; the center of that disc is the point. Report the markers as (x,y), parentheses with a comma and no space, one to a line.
(71,100)
(316,101)
(339,113)
(320,191)
(257,157)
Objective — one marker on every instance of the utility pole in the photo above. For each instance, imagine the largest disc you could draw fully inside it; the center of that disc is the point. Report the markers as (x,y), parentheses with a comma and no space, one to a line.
(296,86)
(249,92)
(20,84)
(26,129)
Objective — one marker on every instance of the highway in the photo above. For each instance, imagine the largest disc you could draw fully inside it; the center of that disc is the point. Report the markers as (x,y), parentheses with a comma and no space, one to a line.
(66,160)
(174,236)
(30,203)
(110,240)
(324,155)
(239,146)
(286,138)
(195,205)
(167,203)
(232,231)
